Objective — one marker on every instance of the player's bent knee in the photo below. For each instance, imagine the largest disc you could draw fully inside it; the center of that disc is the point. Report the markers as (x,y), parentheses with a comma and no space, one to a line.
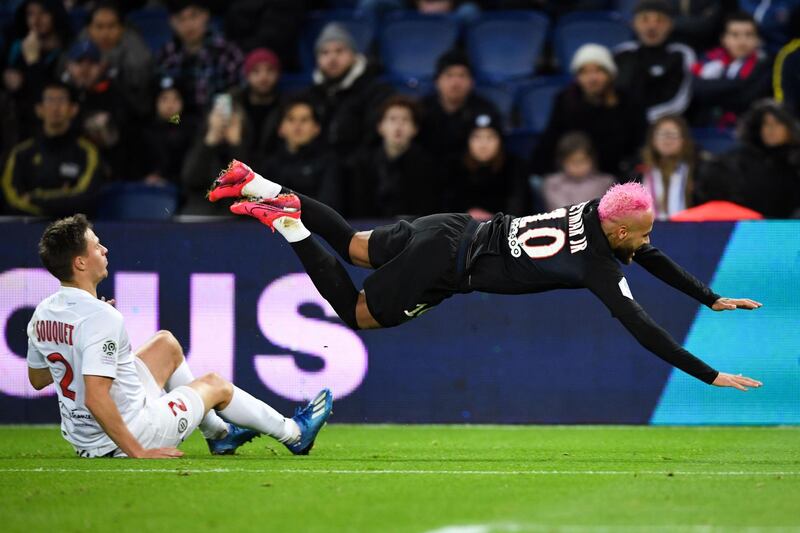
(170,343)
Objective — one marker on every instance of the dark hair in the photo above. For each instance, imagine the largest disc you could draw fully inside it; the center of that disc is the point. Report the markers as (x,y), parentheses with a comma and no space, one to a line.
(749,128)
(108,6)
(58,84)
(61,21)
(300,100)
(400,100)
(61,242)
(572,143)
(739,16)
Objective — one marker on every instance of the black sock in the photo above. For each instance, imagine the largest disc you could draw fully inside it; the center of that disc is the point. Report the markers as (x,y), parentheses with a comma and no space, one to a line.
(327,223)
(329,277)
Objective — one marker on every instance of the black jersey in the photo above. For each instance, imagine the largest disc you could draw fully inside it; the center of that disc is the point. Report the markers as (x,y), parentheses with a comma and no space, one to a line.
(567,249)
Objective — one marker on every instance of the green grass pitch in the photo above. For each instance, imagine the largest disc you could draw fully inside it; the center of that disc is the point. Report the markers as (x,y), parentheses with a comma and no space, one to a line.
(450,479)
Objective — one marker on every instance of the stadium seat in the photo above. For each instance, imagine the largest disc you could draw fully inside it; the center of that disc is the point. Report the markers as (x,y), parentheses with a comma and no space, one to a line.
(574,30)
(502,96)
(506,45)
(136,201)
(521,142)
(410,43)
(78,17)
(713,140)
(535,101)
(625,8)
(412,87)
(361,27)
(153,25)
(291,83)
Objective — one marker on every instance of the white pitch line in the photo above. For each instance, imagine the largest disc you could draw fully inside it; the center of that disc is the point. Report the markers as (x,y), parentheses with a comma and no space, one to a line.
(549,528)
(401,472)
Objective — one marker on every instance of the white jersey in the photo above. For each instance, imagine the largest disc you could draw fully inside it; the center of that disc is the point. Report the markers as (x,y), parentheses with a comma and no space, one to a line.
(74,334)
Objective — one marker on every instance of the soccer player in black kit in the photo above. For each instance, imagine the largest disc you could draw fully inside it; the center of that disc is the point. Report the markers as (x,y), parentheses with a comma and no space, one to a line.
(421,263)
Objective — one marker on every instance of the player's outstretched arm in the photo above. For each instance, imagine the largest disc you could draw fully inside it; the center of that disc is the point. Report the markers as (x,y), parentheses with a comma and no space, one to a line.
(738,381)
(729,304)
(661,266)
(104,410)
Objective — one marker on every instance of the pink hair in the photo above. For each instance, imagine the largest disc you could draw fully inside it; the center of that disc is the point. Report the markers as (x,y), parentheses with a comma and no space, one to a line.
(624,199)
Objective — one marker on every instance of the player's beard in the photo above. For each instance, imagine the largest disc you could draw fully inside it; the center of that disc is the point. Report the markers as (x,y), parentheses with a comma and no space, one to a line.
(624,254)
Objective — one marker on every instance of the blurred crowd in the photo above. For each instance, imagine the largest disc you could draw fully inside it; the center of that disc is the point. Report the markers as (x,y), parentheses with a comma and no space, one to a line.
(88,102)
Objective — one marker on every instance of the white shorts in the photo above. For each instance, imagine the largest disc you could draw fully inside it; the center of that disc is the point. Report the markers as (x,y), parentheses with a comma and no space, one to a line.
(167,419)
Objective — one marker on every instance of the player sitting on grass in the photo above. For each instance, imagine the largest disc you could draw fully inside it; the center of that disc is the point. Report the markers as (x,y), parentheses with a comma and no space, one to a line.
(110,398)
(420,264)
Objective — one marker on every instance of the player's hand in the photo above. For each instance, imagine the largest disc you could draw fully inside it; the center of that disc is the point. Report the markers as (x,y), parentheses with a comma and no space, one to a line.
(112,302)
(160,453)
(738,381)
(729,304)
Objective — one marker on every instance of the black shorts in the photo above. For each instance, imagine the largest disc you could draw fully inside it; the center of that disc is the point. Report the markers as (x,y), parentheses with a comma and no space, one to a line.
(418,264)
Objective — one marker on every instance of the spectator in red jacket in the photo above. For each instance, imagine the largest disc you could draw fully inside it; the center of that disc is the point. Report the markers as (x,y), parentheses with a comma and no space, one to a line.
(728,78)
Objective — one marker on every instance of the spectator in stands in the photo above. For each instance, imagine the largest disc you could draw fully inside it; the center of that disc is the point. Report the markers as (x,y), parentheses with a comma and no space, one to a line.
(729,78)
(669,164)
(464,11)
(396,177)
(773,18)
(304,163)
(614,122)
(201,59)
(653,69)
(786,74)
(224,139)
(56,173)
(40,34)
(9,128)
(487,179)
(347,92)
(698,22)
(168,137)
(276,25)
(578,179)
(128,58)
(763,173)
(105,117)
(449,113)
(260,99)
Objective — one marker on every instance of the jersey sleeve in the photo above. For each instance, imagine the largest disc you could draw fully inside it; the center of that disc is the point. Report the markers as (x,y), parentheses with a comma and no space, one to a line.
(612,289)
(35,358)
(661,266)
(99,344)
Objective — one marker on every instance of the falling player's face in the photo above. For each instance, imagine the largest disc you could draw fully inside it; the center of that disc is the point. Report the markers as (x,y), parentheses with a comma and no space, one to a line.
(632,233)
(94,260)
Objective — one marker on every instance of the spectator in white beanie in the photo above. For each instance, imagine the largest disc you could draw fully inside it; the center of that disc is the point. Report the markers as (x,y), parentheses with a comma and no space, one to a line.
(614,122)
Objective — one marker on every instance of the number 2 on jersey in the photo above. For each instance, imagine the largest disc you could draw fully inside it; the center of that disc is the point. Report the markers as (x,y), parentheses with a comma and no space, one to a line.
(66,380)
(179,404)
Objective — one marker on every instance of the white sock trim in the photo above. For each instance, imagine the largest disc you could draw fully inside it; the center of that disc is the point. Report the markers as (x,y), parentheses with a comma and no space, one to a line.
(261,187)
(292,229)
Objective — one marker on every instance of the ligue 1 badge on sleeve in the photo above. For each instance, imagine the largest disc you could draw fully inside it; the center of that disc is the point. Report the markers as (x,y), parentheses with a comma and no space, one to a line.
(182,425)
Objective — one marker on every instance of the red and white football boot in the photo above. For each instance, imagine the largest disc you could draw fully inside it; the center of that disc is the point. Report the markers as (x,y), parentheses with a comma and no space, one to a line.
(267,211)
(231,181)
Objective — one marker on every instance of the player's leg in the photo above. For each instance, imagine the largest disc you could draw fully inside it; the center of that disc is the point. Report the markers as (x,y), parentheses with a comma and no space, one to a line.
(236,405)
(239,180)
(164,358)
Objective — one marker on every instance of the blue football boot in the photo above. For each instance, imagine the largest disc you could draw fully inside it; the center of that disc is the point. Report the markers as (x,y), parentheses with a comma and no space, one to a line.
(236,437)
(310,420)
